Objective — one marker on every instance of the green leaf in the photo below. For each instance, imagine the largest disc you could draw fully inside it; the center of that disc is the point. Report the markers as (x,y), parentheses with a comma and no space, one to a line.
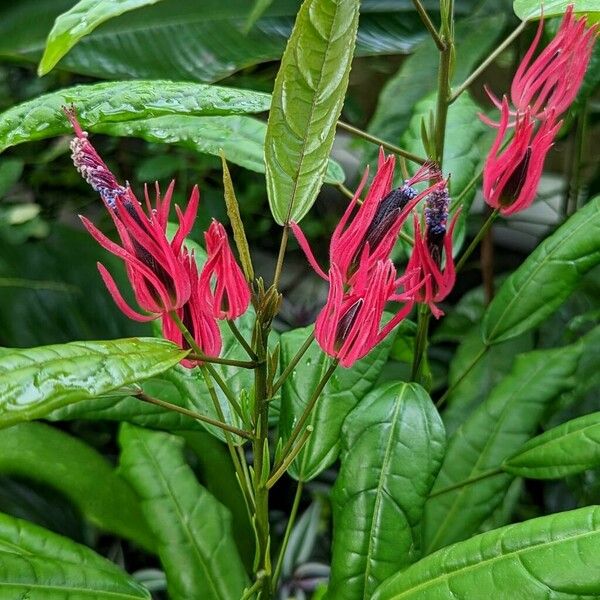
(49,456)
(463,496)
(191,41)
(393,445)
(37,564)
(307,101)
(569,448)
(193,529)
(546,278)
(258,9)
(114,102)
(76,23)
(35,381)
(341,394)
(550,557)
(242,138)
(532,9)
(417,77)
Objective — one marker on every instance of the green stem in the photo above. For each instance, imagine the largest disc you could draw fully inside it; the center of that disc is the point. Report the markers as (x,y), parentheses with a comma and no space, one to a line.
(240,338)
(306,413)
(226,390)
(474,243)
(292,364)
(348,193)
(575,168)
(465,482)
(194,415)
(429,25)
(451,388)
(443,92)
(375,140)
(291,455)
(286,535)
(420,342)
(252,589)
(282,247)
(486,63)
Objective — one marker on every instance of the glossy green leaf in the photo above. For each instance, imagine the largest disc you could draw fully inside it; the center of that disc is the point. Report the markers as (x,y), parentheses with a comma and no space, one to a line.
(463,497)
(532,9)
(193,530)
(192,41)
(258,9)
(554,557)
(307,101)
(242,138)
(80,20)
(546,278)
(36,564)
(49,456)
(35,381)
(569,448)
(341,394)
(417,76)
(393,445)
(118,101)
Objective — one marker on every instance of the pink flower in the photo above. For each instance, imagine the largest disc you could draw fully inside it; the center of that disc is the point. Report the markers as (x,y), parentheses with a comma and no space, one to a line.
(197,315)
(433,245)
(348,326)
(156,268)
(231,291)
(511,176)
(373,227)
(552,80)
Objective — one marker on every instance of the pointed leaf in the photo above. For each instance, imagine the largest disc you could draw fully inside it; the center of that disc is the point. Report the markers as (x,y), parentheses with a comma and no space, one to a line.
(570,448)
(76,23)
(40,565)
(550,557)
(341,394)
(36,381)
(546,278)
(463,496)
(307,101)
(118,101)
(393,445)
(193,530)
(49,456)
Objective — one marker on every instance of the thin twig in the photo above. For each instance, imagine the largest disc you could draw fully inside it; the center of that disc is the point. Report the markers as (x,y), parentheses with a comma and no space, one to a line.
(280,256)
(470,249)
(274,478)
(429,25)
(225,388)
(292,364)
(451,388)
(240,338)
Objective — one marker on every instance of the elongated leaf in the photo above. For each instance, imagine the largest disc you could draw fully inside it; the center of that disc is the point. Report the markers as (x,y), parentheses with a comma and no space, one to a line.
(550,557)
(307,101)
(530,9)
(258,9)
(393,443)
(114,102)
(417,76)
(193,529)
(242,138)
(191,41)
(83,18)
(494,431)
(341,394)
(36,381)
(39,565)
(548,276)
(569,448)
(47,455)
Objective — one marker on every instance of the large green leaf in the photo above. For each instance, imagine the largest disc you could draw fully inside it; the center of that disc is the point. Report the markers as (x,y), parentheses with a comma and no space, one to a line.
(417,76)
(546,278)
(307,101)
(242,138)
(569,448)
(550,558)
(530,9)
(114,102)
(393,445)
(193,530)
(341,394)
(192,41)
(37,564)
(36,381)
(83,18)
(460,501)
(47,455)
